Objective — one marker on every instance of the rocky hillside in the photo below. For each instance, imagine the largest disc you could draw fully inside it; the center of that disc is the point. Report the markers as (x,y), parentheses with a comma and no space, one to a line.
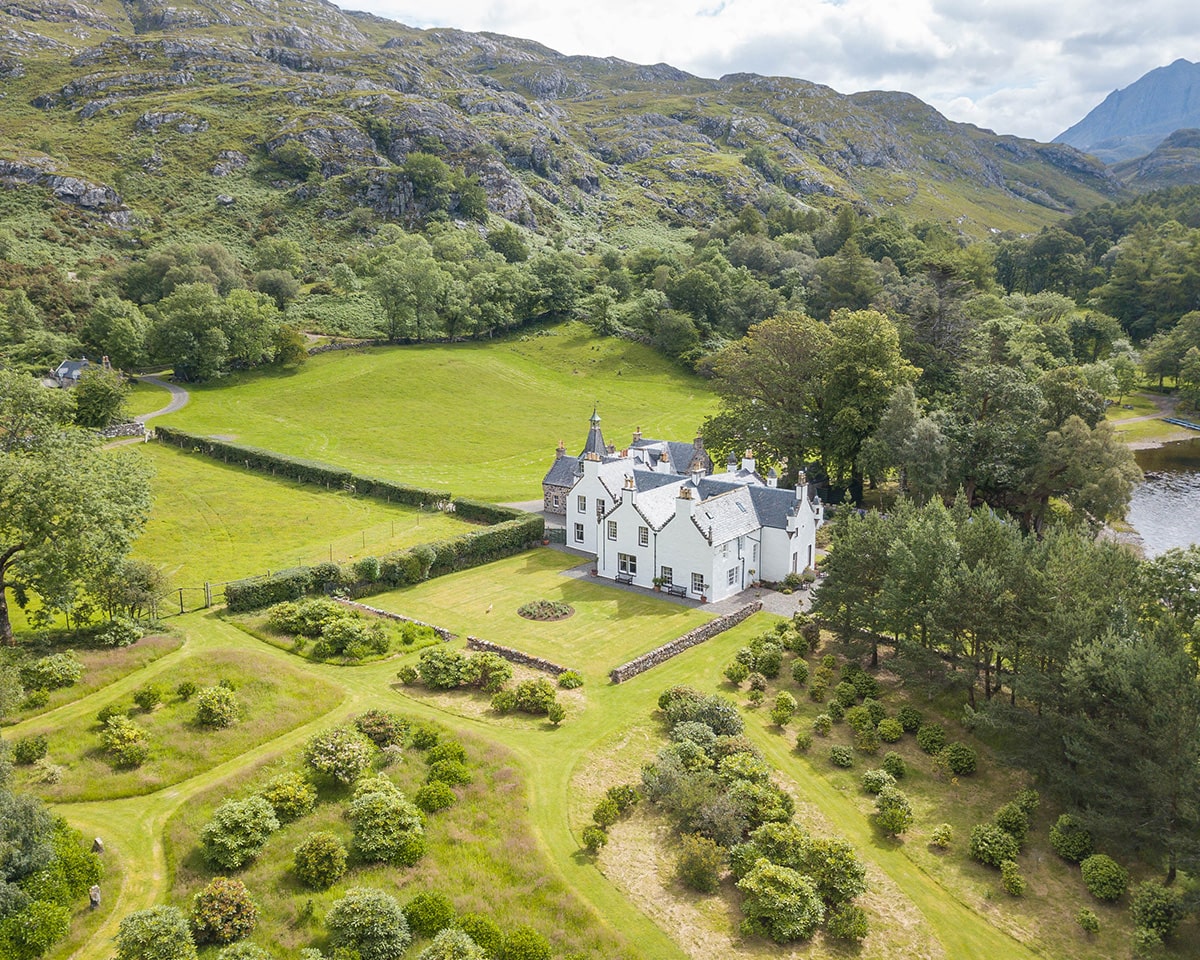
(1173,163)
(1134,121)
(126,121)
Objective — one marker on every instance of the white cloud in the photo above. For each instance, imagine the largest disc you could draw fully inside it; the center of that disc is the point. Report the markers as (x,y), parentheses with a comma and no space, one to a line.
(1027,67)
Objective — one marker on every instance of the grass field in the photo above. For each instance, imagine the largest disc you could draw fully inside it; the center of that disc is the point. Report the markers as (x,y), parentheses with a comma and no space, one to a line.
(213,522)
(146,398)
(481,419)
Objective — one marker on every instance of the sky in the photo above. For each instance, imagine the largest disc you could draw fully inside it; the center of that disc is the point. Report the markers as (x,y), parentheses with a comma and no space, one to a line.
(1026,67)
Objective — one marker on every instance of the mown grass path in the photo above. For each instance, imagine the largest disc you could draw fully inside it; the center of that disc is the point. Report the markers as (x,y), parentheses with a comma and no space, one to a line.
(548,757)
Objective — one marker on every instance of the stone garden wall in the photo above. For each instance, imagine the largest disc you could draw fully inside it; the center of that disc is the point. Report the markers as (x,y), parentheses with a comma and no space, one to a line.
(679,644)
(515,656)
(442,632)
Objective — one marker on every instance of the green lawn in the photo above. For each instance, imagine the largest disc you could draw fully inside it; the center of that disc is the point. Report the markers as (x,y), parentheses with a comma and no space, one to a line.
(146,398)
(481,419)
(213,522)
(483,602)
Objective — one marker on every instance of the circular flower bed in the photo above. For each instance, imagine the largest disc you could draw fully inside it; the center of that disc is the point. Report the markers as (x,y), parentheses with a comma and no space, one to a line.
(546,610)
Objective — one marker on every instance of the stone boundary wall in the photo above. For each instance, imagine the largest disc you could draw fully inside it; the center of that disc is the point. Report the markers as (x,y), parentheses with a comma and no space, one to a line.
(346,345)
(442,632)
(679,644)
(515,656)
(134,428)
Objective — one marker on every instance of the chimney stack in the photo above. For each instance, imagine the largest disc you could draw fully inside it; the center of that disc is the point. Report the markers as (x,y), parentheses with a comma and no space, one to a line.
(637,434)
(561,451)
(748,460)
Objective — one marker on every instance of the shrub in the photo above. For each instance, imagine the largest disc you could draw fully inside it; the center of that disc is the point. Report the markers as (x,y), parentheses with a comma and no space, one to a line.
(784,709)
(866,741)
(556,713)
(484,931)
(159,933)
(369,922)
(1028,800)
(441,668)
(845,694)
(848,922)
(893,813)
(148,697)
(757,681)
(380,727)
(1157,908)
(434,796)
(910,719)
(428,913)
(873,781)
(755,698)
(119,633)
(890,730)
(800,671)
(186,690)
(1070,839)
(737,672)
(243,951)
(594,838)
(108,711)
(960,758)
(29,750)
(126,744)
(875,709)
(931,737)
(36,699)
(570,680)
(941,836)
(1012,820)
(859,718)
(237,831)
(486,671)
(992,846)
(1088,921)
(339,753)
(1104,878)
(606,813)
(387,827)
(452,772)
(424,737)
(535,696)
(408,675)
(504,701)
(804,741)
(52,672)
(452,944)
(217,707)
(525,943)
(700,862)
(223,912)
(319,861)
(291,796)
(865,685)
(1011,879)
(835,711)
(841,756)
(894,764)
(822,724)
(817,689)
(780,903)
(446,750)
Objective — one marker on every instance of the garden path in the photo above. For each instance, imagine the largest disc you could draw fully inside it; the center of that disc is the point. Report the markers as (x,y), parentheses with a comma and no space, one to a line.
(179,398)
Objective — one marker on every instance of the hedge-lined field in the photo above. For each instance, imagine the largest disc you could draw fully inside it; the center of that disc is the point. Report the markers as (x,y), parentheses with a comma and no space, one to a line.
(479,419)
(216,522)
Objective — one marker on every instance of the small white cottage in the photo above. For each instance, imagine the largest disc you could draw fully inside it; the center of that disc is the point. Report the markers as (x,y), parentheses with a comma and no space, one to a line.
(656,511)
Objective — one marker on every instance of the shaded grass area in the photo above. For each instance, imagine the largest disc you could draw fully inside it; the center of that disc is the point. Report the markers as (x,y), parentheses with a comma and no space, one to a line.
(609,627)
(215,522)
(481,419)
(275,698)
(483,862)
(102,667)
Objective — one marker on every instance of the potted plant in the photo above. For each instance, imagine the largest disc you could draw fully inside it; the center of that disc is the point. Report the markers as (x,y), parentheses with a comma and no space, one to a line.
(658,584)
(753,580)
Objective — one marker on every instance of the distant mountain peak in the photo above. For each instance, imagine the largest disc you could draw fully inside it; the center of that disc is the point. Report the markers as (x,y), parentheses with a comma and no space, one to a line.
(1131,122)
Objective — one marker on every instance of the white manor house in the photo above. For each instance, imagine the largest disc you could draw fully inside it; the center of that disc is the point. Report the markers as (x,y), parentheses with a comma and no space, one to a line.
(657,511)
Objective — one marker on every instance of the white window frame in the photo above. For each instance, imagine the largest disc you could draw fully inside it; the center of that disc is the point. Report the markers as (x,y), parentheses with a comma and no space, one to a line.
(581,503)
(643,536)
(579,533)
(612,529)
(627,564)
(554,499)
(731,576)
(665,574)
(697,583)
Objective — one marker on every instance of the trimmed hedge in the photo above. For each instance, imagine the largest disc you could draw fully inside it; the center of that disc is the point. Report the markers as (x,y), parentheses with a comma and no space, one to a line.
(489,513)
(305,471)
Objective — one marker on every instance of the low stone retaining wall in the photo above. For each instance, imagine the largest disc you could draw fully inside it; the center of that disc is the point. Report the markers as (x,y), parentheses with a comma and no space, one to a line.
(515,656)
(345,345)
(679,644)
(132,429)
(442,632)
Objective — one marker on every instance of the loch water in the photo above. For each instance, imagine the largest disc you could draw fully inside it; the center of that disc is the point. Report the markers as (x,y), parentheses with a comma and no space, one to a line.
(1165,508)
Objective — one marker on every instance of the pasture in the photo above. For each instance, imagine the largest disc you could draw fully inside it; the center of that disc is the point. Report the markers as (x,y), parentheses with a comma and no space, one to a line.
(479,419)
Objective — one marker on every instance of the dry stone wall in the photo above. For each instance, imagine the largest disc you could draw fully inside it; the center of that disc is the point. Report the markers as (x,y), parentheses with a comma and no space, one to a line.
(679,644)
(442,632)
(515,656)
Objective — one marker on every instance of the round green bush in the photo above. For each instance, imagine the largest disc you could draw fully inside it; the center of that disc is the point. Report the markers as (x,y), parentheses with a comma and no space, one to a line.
(535,696)
(452,944)
(859,718)
(893,813)
(800,671)
(594,838)
(452,772)
(736,673)
(755,698)
(291,796)
(243,951)
(126,744)
(992,846)
(867,741)
(941,836)
(1104,878)
(700,863)
(931,737)
(910,719)
(52,672)
(340,753)
(319,861)
(408,675)
(424,736)
(186,690)
(894,764)
(382,728)
(848,922)
(1011,879)
(36,699)
(866,685)
(158,933)
(841,756)
(890,730)
(237,831)
(148,697)
(556,713)
(624,795)
(1088,921)
(504,701)
(29,750)
(1013,820)
(873,781)
(525,943)
(484,931)
(434,796)
(428,912)
(217,707)
(835,711)
(960,758)
(823,724)
(570,680)
(369,922)
(1157,908)
(875,709)
(804,741)
(446,750)
(845,694)
(606,813)
(757,681)
(223,912)
(387,827)
(1070,839)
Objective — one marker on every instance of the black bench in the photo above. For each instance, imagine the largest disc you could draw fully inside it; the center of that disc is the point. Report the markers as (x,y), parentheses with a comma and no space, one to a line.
(625,578)
(677,590)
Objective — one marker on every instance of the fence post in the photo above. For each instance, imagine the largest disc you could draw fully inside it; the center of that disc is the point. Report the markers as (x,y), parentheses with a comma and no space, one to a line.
(207,594)
(181,600)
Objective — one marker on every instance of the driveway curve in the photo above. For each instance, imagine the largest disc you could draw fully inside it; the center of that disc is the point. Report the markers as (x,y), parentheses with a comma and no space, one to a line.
(179,398)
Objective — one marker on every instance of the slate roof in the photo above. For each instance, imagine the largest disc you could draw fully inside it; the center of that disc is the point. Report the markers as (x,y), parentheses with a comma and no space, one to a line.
(563,472)
(727,515)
